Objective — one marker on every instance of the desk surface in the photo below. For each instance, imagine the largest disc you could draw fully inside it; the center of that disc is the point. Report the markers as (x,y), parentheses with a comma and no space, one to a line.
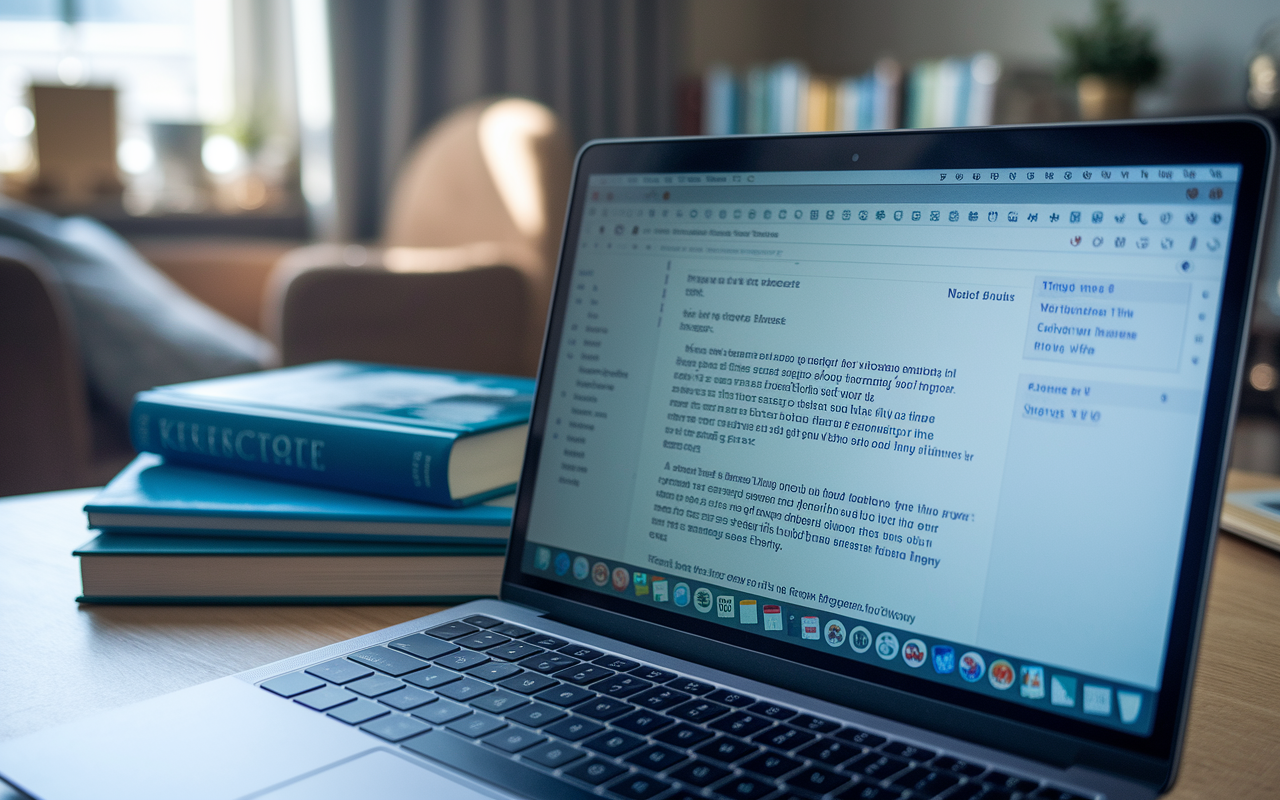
(62,661)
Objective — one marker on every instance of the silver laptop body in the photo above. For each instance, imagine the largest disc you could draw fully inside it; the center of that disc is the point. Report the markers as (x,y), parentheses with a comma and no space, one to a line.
(862,465)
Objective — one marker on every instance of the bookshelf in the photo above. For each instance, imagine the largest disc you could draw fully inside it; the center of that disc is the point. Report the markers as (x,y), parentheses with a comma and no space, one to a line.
(787,97)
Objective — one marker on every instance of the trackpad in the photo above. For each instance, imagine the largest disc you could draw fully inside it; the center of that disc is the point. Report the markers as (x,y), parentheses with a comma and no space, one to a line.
(378,774)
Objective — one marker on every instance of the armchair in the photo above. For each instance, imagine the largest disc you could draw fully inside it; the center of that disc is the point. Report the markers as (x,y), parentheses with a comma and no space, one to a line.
(50,439)
(462,277)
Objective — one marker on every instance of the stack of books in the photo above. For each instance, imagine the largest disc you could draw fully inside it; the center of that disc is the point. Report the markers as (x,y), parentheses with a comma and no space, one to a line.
(335,482)
(787,98)
(1254,516)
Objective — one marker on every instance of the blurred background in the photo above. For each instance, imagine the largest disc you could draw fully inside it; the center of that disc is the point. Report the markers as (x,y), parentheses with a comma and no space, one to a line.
(281,181)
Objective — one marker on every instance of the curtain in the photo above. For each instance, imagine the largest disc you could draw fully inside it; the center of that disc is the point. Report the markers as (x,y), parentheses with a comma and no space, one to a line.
(606,67)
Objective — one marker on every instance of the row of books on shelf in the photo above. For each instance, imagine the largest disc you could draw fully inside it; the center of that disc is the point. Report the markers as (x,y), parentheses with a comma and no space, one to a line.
(787,98)
(330,482)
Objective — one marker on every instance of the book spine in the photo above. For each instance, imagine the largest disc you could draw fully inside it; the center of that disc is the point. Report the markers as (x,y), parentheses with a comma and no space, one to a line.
(411,465)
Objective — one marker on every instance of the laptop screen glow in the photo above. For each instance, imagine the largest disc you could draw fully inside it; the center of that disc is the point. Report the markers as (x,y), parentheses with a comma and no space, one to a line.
(941,422)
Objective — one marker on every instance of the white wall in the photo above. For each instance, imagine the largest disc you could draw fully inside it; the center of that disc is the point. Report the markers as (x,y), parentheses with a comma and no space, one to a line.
(1206,44)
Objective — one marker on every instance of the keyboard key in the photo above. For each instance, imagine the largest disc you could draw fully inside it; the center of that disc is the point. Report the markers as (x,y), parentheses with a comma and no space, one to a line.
(613,743)
(817,780)
(375,685)
(574,728)
(514,631)
(463,659)
(616,663)
(638,787)
(771,711)
(442,711)
(536,715)
(514,651)
(513,740)
(783,738)
(340,670)
(734,699)
(744,787)
(528,683)
(422,646)
(642,722)
(1013,783)
(499,702)
(908,751)
(699,773)
(620,685)
(877,766)
(770,764)
(476,725)
(657,758)
(481,621)
(683,735)
(726,749)
(830,751)
(869,791)
(432,677)
(583,674)
(408,698)
(690,686)
(481,640)
(956,765)
(861,738)
(548,662)
(391,662)
(293,684)
(564,695)
(452,630)
(595,771)
(545,641)
(494,671)
(602,708)
(969,791)
(1054,793)
(653,674)
(698,711)
(580,652)
(741,723)
(465,689)
(325,698)
(814,724)
(924,782)
(486,763)
(659,698)
(360,711)
(553,754)
(395,728)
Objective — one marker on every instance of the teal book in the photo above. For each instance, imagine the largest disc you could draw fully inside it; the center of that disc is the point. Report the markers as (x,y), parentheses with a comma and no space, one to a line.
(129,569)
(446,438)
(152,496)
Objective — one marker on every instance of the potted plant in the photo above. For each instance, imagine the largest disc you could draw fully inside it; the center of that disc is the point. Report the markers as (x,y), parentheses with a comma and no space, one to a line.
(1109,60)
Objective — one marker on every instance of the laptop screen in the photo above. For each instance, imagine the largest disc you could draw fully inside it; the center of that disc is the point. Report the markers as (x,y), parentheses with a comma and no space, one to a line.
(939,422)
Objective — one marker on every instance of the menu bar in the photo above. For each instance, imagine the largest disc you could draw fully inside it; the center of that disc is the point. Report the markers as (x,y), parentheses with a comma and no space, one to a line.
(1156,173)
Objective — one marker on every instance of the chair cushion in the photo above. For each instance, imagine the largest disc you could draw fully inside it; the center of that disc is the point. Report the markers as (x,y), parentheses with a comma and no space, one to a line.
(136,328)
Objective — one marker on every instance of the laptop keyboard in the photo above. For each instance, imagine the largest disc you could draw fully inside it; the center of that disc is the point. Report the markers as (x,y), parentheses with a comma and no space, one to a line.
(552,716)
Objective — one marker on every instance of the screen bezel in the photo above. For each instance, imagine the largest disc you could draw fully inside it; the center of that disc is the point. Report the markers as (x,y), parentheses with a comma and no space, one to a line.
(1029,732)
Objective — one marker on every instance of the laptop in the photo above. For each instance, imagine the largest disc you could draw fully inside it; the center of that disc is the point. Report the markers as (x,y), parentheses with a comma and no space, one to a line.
(861,466)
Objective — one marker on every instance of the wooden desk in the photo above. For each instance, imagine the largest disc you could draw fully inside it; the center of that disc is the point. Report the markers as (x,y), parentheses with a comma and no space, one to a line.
(60,661)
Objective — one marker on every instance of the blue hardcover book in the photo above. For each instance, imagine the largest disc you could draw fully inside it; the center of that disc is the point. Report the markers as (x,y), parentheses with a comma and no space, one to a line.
(119,568)
(153,497)
(447,438)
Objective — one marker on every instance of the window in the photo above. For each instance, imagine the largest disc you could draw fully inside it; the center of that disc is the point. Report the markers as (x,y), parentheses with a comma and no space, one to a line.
(206,118)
